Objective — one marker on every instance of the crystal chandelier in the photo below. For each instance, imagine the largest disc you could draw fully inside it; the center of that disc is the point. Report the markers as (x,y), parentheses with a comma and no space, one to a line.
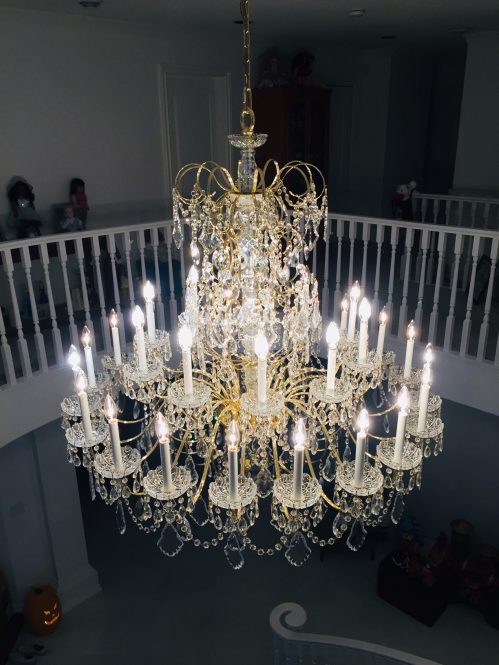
(252,422)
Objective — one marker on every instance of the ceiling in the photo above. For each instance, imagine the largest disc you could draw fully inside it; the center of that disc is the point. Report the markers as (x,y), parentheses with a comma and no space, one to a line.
(408,20)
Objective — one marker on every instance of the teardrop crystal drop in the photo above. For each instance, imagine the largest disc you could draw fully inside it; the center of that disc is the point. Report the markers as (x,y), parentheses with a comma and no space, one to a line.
(297,552)
(170,542)
(233,553)
(120,517)
(329,468)
(397,508)
(357,535)
(199,512)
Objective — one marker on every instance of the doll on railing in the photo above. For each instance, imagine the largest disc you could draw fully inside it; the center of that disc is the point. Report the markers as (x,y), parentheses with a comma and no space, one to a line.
(23,221)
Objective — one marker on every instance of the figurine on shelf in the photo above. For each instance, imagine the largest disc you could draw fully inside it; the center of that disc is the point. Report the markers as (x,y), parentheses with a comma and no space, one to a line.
(23,221)
(301,67)
(79,198)
(69,221)
(272,74)
(402,201)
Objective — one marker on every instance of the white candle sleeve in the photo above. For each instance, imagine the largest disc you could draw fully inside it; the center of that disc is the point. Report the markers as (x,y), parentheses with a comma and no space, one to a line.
(116,445)
(424,395)
(344,319)
(352,315)
(166,465)
(262,380)
(89,360)
(360,454)
(116,345)
(363,335)
(400,437)
(187,367)
(408,358)
(298,473)
(233,481)
(331,370)
(85,416)
(141,349)
(381,340)
(151,324)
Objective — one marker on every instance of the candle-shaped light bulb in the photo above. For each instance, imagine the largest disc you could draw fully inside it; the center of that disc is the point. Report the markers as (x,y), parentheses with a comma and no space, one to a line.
(232,439)
(428,355)
(81,385)
(185,337)
(261,351)
(73,357)
(344,314)
(110,408)
(185,342)
(162,429)
(403,405)
(148,292)
(424,396)
(383,317)
(192,276)
(115,333)
(360,448)
(299,440)
(364,314)
(86,336)
(111,411)
(354,297)
(332,338)
(138,322)
(411,334)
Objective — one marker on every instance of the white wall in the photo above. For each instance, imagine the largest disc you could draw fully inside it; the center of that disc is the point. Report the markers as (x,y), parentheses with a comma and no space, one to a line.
(477,158)
(80,97)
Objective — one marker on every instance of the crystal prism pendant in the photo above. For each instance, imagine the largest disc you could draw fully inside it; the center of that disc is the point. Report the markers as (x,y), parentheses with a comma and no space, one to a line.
(398,508)
(329,469)
(264,483)
(170,542)
(357,535)
(233,552)
(199,513)
(297,552)
(120,517)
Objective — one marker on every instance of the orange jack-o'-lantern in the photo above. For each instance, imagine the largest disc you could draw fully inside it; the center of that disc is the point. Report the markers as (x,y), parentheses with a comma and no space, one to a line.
(42,610)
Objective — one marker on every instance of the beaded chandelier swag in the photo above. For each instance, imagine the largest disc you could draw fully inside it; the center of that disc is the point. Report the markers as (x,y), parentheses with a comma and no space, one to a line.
(253,420)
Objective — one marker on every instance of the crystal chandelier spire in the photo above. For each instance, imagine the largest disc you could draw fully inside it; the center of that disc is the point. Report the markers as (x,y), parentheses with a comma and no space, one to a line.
(252,415)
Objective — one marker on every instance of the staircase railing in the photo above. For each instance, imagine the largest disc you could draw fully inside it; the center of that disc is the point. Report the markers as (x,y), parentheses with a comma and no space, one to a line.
(472,212)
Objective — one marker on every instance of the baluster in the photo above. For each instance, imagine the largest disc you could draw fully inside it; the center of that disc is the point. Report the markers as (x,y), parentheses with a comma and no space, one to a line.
(449,322)
(41,353)
(424,207)
(379,242)
(389,301)
(142,245)
(447,211)
(111,247)
(8,363)
(407,269)
(436,208)
(159,299)
(131,290)
(104,321)
(460,208)
(63,258)
(182,273)
(486,215)
(325,288)
(473,214)
(351,233)
(465,335)
(424,254)
(436,294)
(80,255)
(173,302)
(22,344)
(484,328)
(365,239)
(337,291)
(56,333)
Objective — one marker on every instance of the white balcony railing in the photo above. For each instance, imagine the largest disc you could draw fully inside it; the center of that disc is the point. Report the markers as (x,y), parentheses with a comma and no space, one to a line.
(442,276)
(452,210)
(292,646)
